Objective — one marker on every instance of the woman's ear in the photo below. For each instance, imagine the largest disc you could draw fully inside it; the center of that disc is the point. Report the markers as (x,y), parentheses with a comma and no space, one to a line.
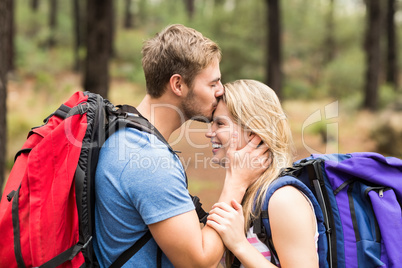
(177,84)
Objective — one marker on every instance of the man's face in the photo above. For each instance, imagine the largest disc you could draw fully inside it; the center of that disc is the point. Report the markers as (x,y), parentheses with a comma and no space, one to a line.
(201,100)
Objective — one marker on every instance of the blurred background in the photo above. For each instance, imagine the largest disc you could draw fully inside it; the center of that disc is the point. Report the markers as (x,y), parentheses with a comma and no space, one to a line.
(334,63)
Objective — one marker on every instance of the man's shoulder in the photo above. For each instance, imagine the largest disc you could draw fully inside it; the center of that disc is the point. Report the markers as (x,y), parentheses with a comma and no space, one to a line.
(132,138)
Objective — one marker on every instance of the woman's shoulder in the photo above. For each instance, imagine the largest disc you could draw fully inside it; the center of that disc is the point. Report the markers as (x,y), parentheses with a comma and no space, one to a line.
(288,200)
(287,195)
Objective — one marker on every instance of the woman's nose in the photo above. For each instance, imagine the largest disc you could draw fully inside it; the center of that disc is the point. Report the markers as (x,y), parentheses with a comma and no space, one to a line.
(209,134)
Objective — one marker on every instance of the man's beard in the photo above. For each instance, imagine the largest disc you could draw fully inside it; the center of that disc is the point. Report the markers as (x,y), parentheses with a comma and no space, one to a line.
(192,110)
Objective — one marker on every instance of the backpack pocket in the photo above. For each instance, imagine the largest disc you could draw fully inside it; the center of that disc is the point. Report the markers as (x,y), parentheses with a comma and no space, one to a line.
(365,225)
(388,212)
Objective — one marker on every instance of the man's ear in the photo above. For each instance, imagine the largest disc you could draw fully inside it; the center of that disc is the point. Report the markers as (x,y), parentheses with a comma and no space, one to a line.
(177,84)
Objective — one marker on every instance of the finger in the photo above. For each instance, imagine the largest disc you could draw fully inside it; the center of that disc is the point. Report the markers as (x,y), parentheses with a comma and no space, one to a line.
(255,142)
(217,218)
(223,206)
(214,225)
(222,212)
(236,205)
(267,162)
(233,141)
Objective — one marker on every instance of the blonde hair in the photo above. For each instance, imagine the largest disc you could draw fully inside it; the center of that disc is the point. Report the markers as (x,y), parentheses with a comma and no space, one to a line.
(256,107)
(177,49)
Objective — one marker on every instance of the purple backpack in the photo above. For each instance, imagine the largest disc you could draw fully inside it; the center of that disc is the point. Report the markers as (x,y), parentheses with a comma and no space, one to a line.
(358,204)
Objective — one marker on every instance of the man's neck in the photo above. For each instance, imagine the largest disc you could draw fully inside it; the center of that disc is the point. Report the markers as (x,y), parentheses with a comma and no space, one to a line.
(161,113)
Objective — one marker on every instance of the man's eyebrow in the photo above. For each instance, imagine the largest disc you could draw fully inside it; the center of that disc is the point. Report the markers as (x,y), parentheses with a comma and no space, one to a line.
(216,79)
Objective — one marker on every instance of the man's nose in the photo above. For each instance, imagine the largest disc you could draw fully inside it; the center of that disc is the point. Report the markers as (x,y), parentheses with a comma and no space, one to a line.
(220,90)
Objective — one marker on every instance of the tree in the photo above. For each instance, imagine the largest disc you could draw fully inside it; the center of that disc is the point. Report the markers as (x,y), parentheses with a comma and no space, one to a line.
(35,5)
(273,55)
(392,52)
(189,8)
(372,49)
(329,43)
(52,23)
(98,40)
(78,33)
(128,15)
(5,18)
(10,37)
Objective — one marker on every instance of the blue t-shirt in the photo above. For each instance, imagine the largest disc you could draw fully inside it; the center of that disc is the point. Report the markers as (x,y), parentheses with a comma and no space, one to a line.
(138,182)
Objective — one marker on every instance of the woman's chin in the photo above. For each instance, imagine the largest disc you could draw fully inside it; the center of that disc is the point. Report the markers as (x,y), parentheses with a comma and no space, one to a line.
(218,161)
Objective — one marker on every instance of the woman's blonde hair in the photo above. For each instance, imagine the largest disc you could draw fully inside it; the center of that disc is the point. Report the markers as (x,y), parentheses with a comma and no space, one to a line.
(255,106)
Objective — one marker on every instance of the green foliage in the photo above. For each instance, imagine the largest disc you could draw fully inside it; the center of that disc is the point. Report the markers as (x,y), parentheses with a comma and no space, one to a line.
(239,27)
(388,96)
(127,62)
(388,133)
(344,76)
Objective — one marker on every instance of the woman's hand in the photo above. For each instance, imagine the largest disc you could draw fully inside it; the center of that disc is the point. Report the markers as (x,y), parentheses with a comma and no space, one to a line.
(228,222)
(244,166)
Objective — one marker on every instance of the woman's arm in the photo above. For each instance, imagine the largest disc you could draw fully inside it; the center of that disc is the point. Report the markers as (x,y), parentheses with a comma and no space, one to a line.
(229,223)
(292,225)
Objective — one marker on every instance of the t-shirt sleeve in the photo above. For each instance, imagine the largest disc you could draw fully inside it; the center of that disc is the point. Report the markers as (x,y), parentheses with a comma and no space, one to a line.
(155,182)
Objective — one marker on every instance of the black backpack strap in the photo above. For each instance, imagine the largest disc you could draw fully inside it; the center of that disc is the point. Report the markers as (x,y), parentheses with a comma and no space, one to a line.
(159,258)
(64,111)
(129,116)
(236,263)
(262,233)
(126,255)
(67,255)
(202,215)
(16,229)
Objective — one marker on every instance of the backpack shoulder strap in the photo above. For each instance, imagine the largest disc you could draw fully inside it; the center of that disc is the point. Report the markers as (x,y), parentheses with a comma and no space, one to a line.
(129,116)
(262,226)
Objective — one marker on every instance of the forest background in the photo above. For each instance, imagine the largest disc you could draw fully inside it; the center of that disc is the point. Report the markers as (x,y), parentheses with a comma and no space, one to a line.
(334,63)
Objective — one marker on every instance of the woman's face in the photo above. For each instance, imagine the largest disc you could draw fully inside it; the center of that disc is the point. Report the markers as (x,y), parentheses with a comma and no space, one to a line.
(221,131)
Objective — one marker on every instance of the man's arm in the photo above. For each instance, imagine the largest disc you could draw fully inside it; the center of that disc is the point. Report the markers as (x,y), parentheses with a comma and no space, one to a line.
(185,244)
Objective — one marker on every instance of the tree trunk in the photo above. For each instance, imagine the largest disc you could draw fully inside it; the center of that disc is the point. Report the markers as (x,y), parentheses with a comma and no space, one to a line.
(128,15)
(112,30)
(273,55)
(10,37)
(392,53)
(372,48)
(329,45)
(35,5)
(77,34)
(190,8)
(5,10)
(52,23)
(98,41)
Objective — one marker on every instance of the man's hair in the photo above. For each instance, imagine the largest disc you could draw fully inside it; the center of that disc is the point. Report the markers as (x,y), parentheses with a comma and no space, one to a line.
(176,50)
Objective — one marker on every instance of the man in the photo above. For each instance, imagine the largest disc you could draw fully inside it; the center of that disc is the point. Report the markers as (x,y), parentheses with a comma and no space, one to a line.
(140,183)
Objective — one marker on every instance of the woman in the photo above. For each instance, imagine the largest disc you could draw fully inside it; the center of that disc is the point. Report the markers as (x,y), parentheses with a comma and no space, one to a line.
(251,108)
